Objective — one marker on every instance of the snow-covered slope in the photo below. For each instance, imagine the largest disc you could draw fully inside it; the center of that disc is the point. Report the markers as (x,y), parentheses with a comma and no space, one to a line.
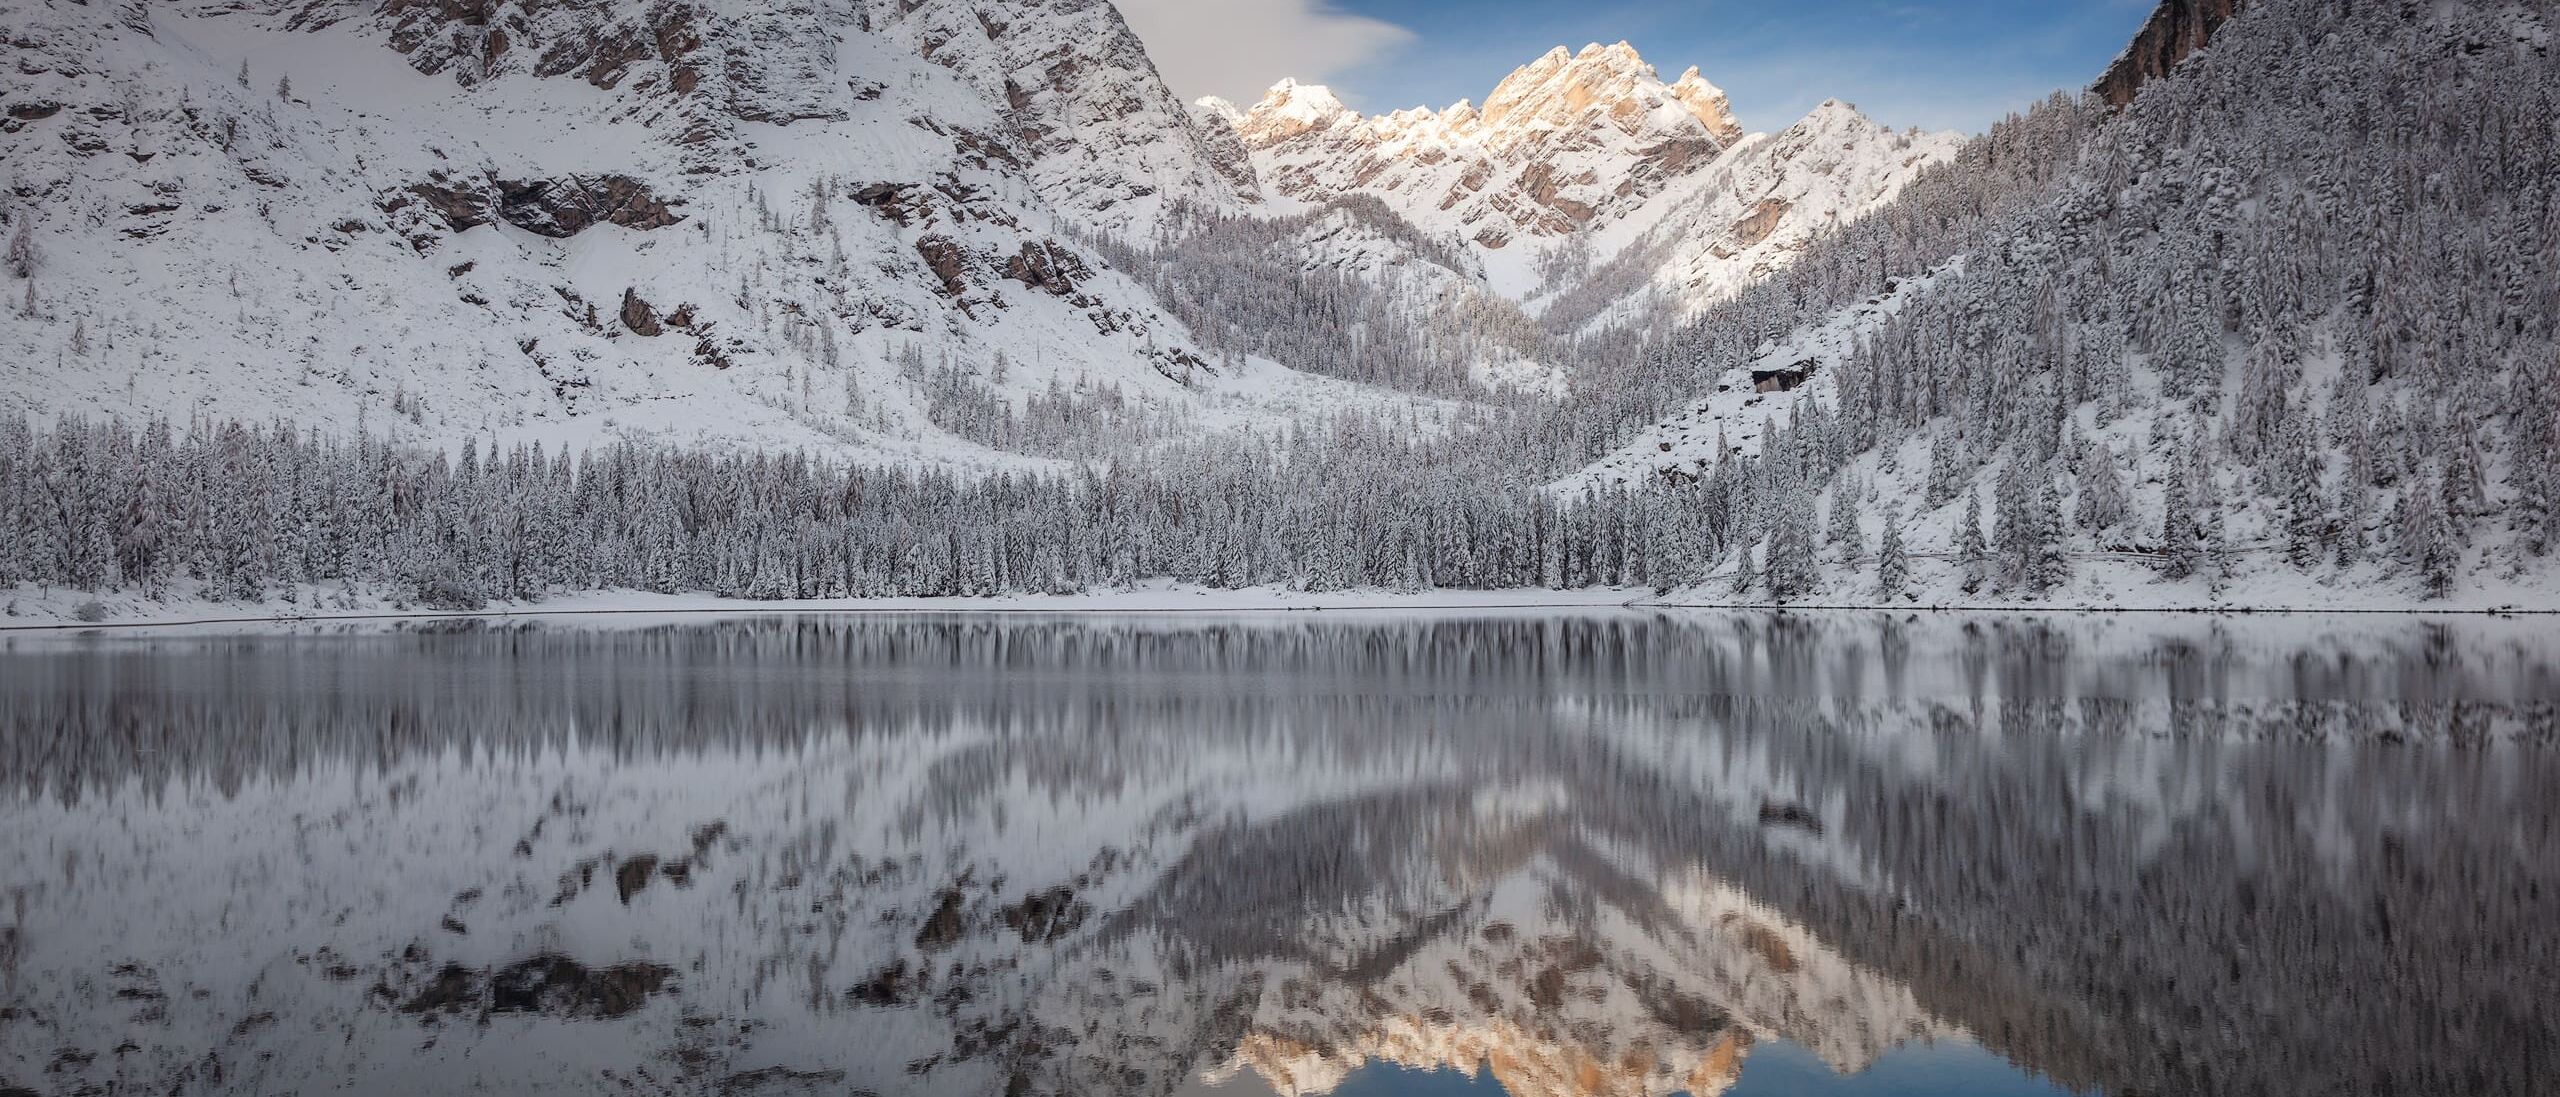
(1747,215)
(2163,347)
(1582,158)
(589,218)
(1749,399)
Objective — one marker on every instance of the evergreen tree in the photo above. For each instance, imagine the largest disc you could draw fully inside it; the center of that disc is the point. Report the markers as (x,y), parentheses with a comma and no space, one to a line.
(1844,532)
(2105,501)
(2015,528)
(1793,566)
(2049,563)
(2427,545)
(1973,555)
(2211,548)
(1893,562)
(22,256)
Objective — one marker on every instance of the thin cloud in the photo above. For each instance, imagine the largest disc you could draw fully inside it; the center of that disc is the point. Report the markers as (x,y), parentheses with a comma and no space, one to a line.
(1238,48)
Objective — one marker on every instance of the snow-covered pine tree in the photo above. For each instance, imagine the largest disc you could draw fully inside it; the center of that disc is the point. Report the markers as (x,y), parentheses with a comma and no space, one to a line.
(2104,501)
(1794,561)
(22,255)
(1893,561)
(2014,529)
(1973,555)
(1844,533)
(2049,561)
(2434,551)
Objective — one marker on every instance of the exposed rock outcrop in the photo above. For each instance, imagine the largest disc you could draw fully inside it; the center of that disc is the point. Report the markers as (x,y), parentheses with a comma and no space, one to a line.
(558,208)
(1047,267)
(948,262)
(638,316)
(2176,29)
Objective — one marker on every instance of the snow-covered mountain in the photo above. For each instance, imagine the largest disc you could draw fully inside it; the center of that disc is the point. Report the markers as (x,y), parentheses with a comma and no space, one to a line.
(1568,140)
(1579,159)
(706,218)
(878,227)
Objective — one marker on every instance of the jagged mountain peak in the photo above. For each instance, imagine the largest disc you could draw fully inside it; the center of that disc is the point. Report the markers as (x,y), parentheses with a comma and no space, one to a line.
(1220,107)
(1602,86)
(1290,109)
(1563,142)
(1708,104)
(1833,116)
(1612,82)
(1590,144)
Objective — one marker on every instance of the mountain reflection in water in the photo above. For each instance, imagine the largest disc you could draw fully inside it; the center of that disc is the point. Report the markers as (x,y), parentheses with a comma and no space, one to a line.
(1603,853)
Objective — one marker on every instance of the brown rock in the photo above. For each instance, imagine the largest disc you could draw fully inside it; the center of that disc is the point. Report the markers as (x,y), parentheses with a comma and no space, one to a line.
(2176,29)
(557,208)
(1047,267)
(638,316)
(1763,220)
(947,261)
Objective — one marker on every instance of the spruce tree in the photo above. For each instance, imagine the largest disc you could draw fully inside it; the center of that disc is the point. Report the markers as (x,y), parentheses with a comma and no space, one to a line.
(2180,554)
(2049,565)
(22,257)
(1844,532)
(1973,555)
(1893,562)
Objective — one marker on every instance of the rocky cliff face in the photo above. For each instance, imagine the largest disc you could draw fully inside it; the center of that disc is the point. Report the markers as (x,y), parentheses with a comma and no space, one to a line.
(2176,28)
(255,205)
(1748,214)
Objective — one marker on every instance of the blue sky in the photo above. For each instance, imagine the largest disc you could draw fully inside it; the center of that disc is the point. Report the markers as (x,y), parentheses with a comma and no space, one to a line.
(1941,64)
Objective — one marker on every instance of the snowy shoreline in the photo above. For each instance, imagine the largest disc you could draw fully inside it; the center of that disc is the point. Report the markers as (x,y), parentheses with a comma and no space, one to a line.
(32,611)
(57,611)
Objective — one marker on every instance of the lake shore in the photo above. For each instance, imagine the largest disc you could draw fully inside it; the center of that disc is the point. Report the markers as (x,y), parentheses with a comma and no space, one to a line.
(28,610)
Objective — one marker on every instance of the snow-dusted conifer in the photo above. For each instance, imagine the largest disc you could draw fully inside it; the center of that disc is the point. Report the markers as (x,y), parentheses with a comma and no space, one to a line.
(1893,561)
(1844,532)
(22,257)
(1973,555)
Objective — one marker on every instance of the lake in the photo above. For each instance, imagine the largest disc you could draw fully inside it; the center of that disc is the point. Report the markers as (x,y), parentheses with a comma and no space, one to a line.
(1602,852)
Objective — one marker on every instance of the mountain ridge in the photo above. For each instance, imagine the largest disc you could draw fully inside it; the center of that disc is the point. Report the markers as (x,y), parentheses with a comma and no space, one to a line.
(1572,159)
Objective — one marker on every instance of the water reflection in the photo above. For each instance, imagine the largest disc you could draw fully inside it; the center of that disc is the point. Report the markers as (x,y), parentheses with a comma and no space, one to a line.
(1610,853)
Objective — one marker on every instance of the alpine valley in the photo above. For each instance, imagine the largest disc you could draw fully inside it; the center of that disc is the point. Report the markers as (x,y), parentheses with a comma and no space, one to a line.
(432,303)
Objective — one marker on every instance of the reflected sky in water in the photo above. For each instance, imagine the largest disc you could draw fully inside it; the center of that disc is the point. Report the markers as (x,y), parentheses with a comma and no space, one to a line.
(1598,853)
(1950,1068)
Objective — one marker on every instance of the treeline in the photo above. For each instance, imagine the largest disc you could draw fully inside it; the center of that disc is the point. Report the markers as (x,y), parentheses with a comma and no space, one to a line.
(1258,286)
(247,512)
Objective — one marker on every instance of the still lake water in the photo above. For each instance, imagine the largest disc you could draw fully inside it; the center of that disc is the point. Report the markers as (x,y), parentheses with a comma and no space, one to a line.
(1588,853)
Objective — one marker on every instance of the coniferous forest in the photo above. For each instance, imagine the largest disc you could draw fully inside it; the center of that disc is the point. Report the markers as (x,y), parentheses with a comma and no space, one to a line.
(2285,317)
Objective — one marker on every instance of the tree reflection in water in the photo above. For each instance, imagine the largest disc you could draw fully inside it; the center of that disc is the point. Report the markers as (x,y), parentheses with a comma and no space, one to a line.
(1595,853)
